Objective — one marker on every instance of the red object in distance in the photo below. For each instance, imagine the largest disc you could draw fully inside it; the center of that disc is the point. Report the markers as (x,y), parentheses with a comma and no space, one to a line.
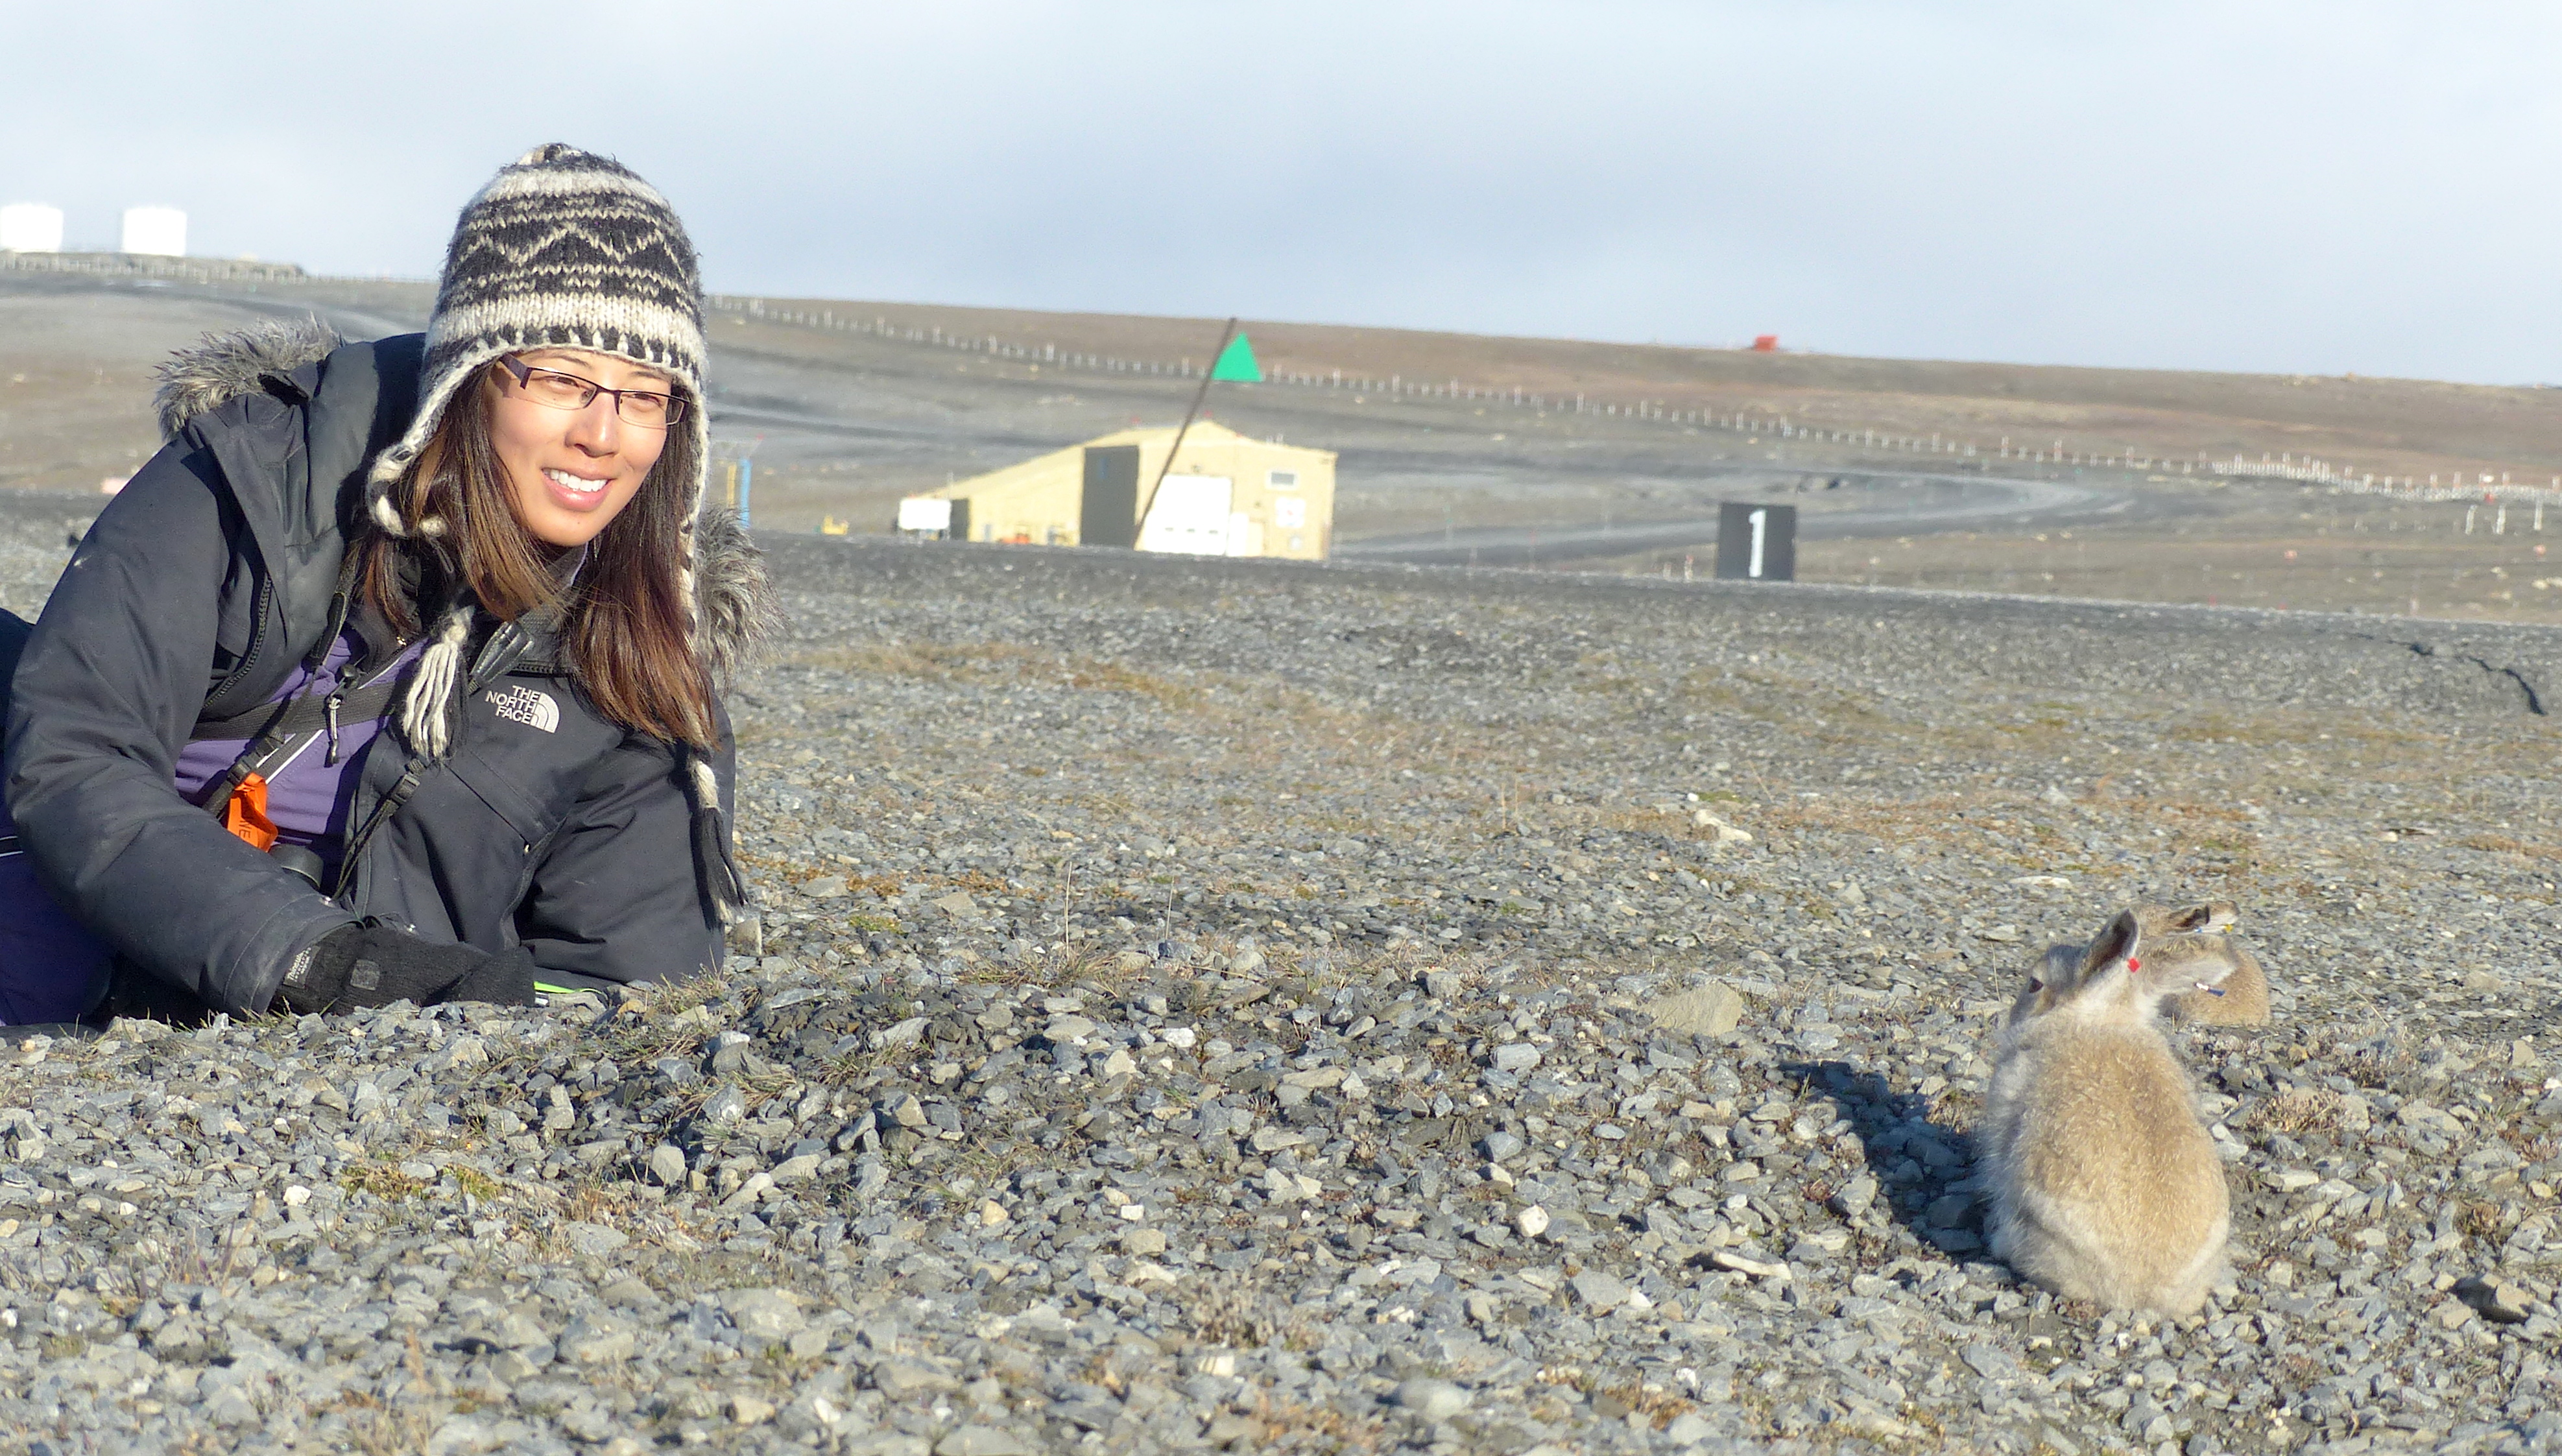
(1765,343)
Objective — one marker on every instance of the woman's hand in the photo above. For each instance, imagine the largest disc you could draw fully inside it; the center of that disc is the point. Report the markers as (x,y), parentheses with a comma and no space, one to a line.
(359,966)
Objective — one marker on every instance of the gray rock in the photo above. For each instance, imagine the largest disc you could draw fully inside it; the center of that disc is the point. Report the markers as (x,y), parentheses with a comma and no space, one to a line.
(597,1340)
(2496,1297)
(724,1107)
(1599,1292)
(1854,1198)
(764,1315)
(593,1239)
(1990,1363)
(902,1379)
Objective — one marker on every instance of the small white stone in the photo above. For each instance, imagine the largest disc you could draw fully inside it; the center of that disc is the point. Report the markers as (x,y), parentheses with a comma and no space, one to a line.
(1433,1400)
(1531,1222)
(1724,1259)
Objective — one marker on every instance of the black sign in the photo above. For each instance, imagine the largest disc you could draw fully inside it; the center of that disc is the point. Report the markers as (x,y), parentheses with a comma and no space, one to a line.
(1757,543)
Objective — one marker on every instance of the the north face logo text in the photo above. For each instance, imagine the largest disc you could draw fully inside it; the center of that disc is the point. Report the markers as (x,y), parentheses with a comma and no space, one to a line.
(527,706)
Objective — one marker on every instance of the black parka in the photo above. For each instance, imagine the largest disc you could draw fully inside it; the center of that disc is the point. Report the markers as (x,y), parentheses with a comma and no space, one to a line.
(198,591)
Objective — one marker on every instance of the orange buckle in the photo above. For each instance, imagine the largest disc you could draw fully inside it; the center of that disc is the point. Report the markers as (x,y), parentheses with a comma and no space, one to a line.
(246,814)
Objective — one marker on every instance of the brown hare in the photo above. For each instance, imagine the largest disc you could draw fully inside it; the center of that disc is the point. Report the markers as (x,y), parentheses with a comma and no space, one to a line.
(2196,933)
(2178,936)
(2105,1185)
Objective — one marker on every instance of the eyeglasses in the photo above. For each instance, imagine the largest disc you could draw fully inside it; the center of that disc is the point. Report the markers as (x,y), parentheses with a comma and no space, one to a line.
(650,408)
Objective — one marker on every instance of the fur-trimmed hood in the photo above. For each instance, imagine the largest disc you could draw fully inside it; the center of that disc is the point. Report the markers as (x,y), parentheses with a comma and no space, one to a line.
(195,382)
(284,357)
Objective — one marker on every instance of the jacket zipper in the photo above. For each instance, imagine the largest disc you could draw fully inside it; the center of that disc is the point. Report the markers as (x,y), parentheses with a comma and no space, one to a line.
(256,642)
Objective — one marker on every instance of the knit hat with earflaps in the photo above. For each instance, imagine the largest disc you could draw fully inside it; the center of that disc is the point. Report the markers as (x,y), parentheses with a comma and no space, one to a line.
(563,250)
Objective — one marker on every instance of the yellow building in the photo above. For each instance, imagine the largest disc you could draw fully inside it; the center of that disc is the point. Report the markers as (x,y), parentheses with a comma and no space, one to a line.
(1225,495)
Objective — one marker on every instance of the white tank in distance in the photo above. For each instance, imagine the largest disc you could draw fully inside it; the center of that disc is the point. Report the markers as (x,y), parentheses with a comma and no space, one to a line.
(31,227)
(157,231)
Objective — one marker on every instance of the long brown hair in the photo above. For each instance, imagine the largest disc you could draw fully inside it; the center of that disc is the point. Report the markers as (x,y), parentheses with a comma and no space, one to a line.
(624,629)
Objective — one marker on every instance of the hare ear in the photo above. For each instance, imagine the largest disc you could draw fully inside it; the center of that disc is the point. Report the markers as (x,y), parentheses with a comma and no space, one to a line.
(2188,917)
(2119,940)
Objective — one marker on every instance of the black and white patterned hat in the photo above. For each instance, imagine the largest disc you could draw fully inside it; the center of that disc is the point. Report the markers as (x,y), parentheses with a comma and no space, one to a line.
(562,250)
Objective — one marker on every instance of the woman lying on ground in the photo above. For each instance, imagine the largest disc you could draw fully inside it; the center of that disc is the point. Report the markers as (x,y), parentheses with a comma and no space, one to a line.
(433,618)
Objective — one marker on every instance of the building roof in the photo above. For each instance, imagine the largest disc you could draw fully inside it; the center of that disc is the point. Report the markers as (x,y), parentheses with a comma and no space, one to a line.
(1204,434)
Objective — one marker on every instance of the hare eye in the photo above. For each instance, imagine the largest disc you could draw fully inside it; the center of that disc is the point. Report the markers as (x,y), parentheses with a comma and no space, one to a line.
(2036,985)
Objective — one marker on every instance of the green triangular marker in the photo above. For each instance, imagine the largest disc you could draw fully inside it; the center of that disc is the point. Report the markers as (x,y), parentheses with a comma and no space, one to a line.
(1236,362)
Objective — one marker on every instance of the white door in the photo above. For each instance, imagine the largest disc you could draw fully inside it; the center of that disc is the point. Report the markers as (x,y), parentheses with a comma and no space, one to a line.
(1190,515)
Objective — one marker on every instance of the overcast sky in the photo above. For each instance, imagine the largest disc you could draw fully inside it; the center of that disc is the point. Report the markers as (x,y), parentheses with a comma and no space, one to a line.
(2323,186)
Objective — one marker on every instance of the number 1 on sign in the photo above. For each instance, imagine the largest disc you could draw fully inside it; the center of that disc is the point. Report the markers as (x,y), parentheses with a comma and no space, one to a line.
(1760,522)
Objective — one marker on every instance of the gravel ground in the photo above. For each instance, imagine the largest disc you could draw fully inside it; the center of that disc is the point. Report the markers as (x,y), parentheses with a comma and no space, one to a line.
(1206,1005)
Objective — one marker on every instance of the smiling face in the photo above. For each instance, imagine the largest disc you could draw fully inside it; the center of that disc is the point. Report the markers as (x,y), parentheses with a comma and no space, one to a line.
(570,472)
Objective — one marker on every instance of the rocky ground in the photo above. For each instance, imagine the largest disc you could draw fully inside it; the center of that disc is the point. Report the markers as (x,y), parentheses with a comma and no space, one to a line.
(1208,1005)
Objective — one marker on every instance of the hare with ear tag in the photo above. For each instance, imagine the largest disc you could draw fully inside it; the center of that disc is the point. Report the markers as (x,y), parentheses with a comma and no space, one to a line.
(2179,936)
(2195,934)
(2105,1185)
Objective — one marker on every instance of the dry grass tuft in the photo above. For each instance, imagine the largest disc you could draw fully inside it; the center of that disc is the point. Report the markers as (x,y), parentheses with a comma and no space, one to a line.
(2373,1066)
(2298,1110)
(1233,1310)
(1290,1425)
(383,1180)
(1658,1406)
(2478,1220)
